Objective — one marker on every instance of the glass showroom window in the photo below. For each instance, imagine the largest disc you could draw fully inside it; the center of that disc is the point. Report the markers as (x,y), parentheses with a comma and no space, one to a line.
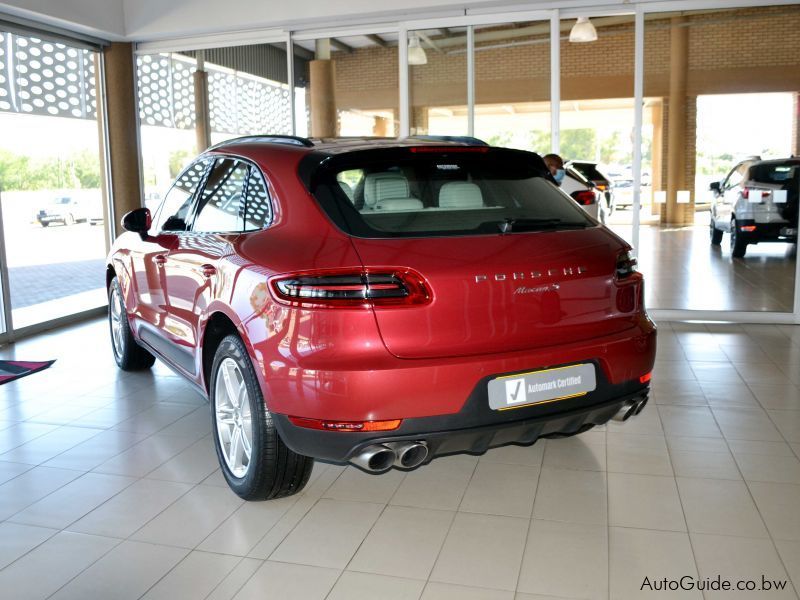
(437,79)
(350,86)
(51,177)
(597,112)
(720,232)
(512,85)
(248,94)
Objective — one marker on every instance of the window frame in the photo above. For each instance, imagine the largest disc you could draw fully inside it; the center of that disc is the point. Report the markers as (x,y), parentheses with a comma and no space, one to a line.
(193,198)
(211,160)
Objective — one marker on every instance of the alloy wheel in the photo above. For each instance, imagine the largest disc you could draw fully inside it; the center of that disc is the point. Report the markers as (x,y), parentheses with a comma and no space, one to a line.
(117,313)
(233,417)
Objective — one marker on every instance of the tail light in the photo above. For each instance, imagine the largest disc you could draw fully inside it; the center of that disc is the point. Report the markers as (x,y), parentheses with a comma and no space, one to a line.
(758,195)
(584,197)
(748,228)
(626,265)
(646,377)
(390,287)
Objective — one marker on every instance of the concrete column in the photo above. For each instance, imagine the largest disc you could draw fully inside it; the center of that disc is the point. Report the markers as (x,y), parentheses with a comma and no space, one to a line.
(122,125)
(322,86)
(202,123)
(676,125)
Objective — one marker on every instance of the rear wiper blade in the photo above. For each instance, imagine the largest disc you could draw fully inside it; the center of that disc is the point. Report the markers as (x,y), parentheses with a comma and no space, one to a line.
(509,225)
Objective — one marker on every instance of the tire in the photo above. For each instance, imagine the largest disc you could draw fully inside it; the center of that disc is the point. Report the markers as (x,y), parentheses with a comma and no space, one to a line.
(45,223)
(738,245)
(272,469)
(130,356)
(716,234)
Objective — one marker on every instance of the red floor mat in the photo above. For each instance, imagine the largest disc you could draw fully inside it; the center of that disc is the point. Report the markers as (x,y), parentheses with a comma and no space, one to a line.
(14,369)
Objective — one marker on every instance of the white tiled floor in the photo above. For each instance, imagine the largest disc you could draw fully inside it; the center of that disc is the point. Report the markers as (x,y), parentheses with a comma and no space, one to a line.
(109,489)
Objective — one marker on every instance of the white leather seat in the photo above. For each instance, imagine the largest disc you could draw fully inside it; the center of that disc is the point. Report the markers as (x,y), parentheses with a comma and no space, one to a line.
(460,194)
(388,191)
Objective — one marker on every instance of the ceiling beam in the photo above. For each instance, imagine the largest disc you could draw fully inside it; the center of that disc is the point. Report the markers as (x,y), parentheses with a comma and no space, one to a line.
(339,45)
(378,40)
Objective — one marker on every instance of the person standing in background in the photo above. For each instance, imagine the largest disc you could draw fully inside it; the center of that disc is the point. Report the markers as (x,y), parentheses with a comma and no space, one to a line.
(556,165)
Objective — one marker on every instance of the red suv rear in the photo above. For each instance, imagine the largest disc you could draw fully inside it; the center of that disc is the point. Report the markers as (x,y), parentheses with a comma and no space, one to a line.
(379,303)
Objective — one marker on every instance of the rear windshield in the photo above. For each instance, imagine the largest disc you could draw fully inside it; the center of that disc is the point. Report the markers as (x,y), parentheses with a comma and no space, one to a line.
(412,192)
(783,174)
(589,171)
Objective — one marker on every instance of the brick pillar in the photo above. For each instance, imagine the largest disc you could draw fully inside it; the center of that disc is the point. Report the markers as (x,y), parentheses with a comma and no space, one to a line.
(122,125)
(796,124)
(381,127)
(322,99)
(657,152)
(419,120)
(202,117)
(674,213)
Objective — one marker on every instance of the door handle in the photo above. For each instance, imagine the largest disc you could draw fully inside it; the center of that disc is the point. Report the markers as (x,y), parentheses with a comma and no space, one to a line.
(208,270)
(160,259)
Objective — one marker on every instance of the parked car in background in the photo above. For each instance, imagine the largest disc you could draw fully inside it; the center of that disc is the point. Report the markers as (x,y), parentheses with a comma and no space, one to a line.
(601,181)
(756,202)
(585,194)
(65,210)
(379,303)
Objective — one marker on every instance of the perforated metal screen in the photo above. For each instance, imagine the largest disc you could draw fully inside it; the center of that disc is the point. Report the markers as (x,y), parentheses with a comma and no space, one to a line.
(46,78)
(238,103)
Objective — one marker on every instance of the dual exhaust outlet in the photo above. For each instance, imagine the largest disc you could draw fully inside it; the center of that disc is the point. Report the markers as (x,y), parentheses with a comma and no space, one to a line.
(379,458)
(382,457)
(630,409)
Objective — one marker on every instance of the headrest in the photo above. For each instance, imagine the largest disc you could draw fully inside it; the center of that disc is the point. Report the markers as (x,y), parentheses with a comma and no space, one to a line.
(460,194)
(383,186)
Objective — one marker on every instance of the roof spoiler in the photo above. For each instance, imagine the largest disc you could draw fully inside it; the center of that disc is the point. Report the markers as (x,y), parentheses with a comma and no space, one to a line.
(463,139)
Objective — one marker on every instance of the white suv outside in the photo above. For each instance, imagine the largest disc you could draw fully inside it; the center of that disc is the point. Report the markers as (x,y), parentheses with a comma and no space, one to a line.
(756,202)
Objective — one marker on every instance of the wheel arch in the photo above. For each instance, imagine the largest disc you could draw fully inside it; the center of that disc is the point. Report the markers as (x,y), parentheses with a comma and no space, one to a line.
(221,322)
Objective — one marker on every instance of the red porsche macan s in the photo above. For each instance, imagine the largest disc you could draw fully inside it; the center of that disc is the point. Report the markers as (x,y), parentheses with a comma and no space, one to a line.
(378,302)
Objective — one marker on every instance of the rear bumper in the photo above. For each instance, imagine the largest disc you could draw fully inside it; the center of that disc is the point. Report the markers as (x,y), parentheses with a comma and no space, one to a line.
(767,232)
(475,428)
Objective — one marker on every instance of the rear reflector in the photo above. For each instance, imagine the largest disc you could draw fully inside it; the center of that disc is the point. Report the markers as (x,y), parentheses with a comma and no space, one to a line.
(747,228)
(390,287)
(646,377)
(346,425)
(584,197)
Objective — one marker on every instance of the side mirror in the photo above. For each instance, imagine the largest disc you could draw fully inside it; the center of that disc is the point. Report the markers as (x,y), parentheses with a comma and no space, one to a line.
(138,221)
(715,186)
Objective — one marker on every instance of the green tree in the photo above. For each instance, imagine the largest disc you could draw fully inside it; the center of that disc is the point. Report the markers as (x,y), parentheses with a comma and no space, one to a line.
(86,168)
(177,160)
(578,144)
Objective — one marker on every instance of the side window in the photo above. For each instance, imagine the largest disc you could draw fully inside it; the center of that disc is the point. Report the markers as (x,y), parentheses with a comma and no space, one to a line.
(221,206)
(174,209)
(258,210)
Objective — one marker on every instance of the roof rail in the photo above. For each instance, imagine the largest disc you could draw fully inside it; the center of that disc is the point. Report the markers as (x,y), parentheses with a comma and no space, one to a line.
(293,140)
(464,139)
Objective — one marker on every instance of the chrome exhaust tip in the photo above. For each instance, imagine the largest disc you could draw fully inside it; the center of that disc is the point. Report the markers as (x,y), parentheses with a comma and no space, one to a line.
(409,454)
(375,459)
(629,409)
